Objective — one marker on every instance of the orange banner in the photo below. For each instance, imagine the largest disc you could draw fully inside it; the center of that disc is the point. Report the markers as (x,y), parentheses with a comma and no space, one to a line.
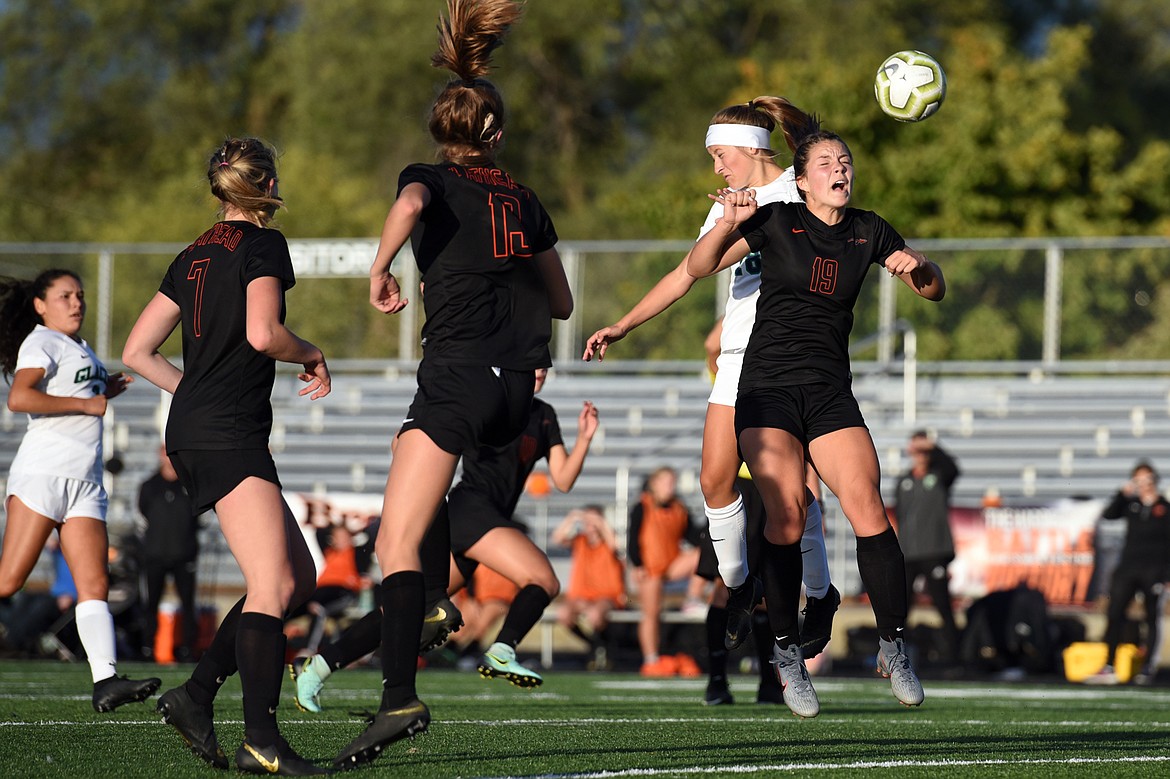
(1048,548)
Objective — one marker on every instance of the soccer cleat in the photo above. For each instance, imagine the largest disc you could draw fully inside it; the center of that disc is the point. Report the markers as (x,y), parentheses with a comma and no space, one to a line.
(799,695)
(818,622)
(278,759)
(741,602)
(1105,676)
(194,723)
(309,685)
(109,694)
(384,729)
(499,661)
(718,693)
(441,621)
(893,663)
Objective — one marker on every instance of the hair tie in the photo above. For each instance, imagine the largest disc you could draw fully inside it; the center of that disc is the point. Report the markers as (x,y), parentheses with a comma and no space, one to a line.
(225,164)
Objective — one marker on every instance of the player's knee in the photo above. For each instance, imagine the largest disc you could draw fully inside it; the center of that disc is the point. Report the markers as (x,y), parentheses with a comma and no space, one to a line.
(718,488)
(786,527)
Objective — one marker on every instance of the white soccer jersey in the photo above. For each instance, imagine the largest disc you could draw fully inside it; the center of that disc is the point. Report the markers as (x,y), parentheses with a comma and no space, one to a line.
(67,445)
(740,313)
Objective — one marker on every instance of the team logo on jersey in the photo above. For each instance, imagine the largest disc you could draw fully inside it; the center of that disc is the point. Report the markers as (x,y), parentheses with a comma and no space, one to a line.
(858,241)
(91,373)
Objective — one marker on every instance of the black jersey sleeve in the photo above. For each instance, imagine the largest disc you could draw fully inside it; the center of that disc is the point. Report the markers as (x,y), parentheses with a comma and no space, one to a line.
(545,235)
(554,430)
(268,255)
(427,175)
(886,239)
(753,228)
(167,287)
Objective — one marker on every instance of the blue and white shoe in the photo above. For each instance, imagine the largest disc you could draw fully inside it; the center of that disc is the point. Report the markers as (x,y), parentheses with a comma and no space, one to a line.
(499,661)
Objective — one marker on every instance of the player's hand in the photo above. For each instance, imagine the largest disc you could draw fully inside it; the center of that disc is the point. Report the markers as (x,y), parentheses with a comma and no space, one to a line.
(587,421)
(600,341)
(738,205)
(905,261)
(316,376)
(96,406)
(116,384)
(386,295)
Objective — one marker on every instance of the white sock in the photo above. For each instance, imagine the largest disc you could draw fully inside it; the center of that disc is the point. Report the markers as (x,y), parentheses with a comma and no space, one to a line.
(728,529)
(814,555)
(95,628)
(321,667)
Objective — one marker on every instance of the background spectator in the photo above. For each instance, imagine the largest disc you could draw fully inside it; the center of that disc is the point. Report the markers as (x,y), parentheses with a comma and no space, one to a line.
(922,507)
(596,579)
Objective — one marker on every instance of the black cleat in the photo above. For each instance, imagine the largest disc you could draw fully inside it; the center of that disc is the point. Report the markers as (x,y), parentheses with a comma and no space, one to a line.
(278,759)
(718,693)
(385,728)
(741,602)
(194,723)
(441,621)
(818,622)
(770,692)
(109,694)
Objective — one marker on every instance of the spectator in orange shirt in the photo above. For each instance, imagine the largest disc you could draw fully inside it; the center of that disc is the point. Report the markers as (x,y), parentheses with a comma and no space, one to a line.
(596,580)
(659,524)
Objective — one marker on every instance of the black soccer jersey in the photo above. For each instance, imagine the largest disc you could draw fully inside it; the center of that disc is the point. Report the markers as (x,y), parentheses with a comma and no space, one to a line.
(484,298)
(498,473)
(223,400)
(811,274)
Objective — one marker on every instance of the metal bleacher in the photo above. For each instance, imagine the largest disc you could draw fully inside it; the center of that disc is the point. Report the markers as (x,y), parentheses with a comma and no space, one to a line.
(1031,437)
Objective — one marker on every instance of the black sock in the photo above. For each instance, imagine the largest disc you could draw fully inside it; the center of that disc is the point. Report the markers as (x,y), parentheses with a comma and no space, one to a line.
(761,632)
(218,662)
(883,572)
(716,649)
(525,611)
(403,609)
(435,554)
(355,642)
(260,653)
(782,568)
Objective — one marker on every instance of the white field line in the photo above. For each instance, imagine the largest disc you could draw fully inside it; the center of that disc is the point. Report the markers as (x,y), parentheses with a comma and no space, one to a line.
(725,770)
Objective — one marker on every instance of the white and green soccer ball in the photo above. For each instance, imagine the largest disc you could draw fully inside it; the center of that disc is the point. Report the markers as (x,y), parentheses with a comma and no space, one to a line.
(910,86)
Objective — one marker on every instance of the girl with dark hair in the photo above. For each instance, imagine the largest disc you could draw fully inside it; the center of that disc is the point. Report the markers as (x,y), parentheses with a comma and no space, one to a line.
(227,291)
(739,142)
(55,481)
(494,281)
(795,400)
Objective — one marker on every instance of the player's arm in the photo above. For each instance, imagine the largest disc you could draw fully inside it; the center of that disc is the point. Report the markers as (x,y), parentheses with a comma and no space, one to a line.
(917,273)
(564,467)
(721,246)
(556,284)
(269,336)
(385,294)
(712,348)
(25,398)
(661,296)
(155,324)
(564,533)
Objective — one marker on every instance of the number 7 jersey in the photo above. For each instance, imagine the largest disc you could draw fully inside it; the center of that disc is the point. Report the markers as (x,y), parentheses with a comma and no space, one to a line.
(810,276)
(223,400)
(485,300)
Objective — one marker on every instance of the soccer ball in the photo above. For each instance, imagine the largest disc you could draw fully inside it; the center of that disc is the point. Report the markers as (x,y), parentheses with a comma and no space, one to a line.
(910,86)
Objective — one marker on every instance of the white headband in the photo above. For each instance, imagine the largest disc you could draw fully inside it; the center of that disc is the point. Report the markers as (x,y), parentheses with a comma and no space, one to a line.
(744,135)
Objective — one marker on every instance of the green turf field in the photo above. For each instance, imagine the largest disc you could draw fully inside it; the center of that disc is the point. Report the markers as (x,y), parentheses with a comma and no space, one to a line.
(603,725)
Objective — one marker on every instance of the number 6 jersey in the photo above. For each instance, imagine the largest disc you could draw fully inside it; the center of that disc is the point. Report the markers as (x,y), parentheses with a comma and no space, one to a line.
(485,300)
(810,276)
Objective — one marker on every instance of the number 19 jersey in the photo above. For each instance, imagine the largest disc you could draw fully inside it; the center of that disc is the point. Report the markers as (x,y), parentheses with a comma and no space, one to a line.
(810,276)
